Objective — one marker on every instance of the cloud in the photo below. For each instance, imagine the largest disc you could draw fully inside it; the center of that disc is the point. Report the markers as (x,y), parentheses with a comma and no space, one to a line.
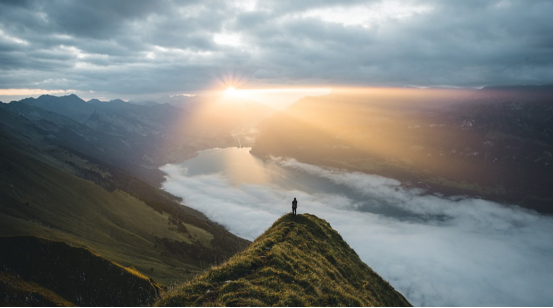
(132,49)
(436,251)
(29,92)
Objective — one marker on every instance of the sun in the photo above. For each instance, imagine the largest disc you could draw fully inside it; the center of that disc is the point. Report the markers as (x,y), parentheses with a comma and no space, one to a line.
(231,91)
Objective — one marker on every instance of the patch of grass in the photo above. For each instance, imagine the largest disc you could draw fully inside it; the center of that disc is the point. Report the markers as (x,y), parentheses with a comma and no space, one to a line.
(299,261)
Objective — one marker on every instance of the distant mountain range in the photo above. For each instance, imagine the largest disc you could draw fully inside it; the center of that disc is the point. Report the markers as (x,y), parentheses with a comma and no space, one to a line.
(494,143)
(133,137)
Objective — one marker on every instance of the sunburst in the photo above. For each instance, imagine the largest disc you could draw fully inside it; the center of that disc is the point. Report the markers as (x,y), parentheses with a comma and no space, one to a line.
(231,91)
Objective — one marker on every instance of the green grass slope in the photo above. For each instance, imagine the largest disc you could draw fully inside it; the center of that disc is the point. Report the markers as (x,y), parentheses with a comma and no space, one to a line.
(165,242)
(77,276)
(299,261)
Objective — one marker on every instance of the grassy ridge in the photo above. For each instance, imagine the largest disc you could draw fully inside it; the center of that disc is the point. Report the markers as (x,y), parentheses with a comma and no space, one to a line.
(299,261)
(75,276)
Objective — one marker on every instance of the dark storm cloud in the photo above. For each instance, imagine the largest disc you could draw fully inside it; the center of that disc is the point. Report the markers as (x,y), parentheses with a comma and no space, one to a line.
(125,48)
(291,6)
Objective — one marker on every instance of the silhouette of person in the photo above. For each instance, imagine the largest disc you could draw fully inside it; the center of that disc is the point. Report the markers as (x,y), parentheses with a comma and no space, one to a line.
(294,206)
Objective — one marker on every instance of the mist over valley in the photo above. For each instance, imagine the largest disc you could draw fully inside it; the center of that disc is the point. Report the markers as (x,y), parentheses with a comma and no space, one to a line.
(150,153)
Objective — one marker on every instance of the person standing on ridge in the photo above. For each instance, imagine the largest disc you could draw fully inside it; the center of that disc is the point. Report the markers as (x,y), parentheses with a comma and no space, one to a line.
(294,206)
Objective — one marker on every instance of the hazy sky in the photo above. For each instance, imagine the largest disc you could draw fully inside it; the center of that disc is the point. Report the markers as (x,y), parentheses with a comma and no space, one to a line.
(130,48)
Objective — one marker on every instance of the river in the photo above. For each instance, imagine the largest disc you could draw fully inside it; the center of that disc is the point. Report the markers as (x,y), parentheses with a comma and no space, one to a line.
(436,251)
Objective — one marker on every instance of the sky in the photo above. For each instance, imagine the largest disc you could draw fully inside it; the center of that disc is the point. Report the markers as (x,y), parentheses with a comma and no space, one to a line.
(442,251)
(142,49)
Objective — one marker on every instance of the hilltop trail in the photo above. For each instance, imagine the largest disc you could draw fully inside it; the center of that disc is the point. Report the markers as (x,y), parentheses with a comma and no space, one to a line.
(299,261)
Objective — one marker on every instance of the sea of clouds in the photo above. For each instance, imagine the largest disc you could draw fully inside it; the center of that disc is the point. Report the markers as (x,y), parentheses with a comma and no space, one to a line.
(439,252)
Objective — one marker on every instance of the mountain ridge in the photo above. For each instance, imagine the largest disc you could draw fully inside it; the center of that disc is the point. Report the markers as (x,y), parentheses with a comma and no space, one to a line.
(299,261)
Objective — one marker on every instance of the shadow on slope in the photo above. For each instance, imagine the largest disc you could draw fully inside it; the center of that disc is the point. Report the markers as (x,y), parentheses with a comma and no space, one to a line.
(75,276)
(299,261)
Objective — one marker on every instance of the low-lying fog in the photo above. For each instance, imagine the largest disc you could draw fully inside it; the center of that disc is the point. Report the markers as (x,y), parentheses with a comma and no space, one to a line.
(436,251)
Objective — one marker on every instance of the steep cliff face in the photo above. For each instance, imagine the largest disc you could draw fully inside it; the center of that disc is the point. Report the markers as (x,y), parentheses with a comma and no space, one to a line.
(299,261)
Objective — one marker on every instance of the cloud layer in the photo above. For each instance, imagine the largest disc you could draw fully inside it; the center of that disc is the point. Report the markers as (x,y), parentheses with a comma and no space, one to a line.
(123,48)
(435,251)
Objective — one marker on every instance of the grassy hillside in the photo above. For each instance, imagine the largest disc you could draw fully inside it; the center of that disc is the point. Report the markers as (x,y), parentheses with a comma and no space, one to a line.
(299,261)
(77,276)
(162,240)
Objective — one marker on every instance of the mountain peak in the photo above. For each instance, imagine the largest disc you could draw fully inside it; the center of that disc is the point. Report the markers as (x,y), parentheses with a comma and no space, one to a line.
(299,261)
(46,100)
(117,101)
